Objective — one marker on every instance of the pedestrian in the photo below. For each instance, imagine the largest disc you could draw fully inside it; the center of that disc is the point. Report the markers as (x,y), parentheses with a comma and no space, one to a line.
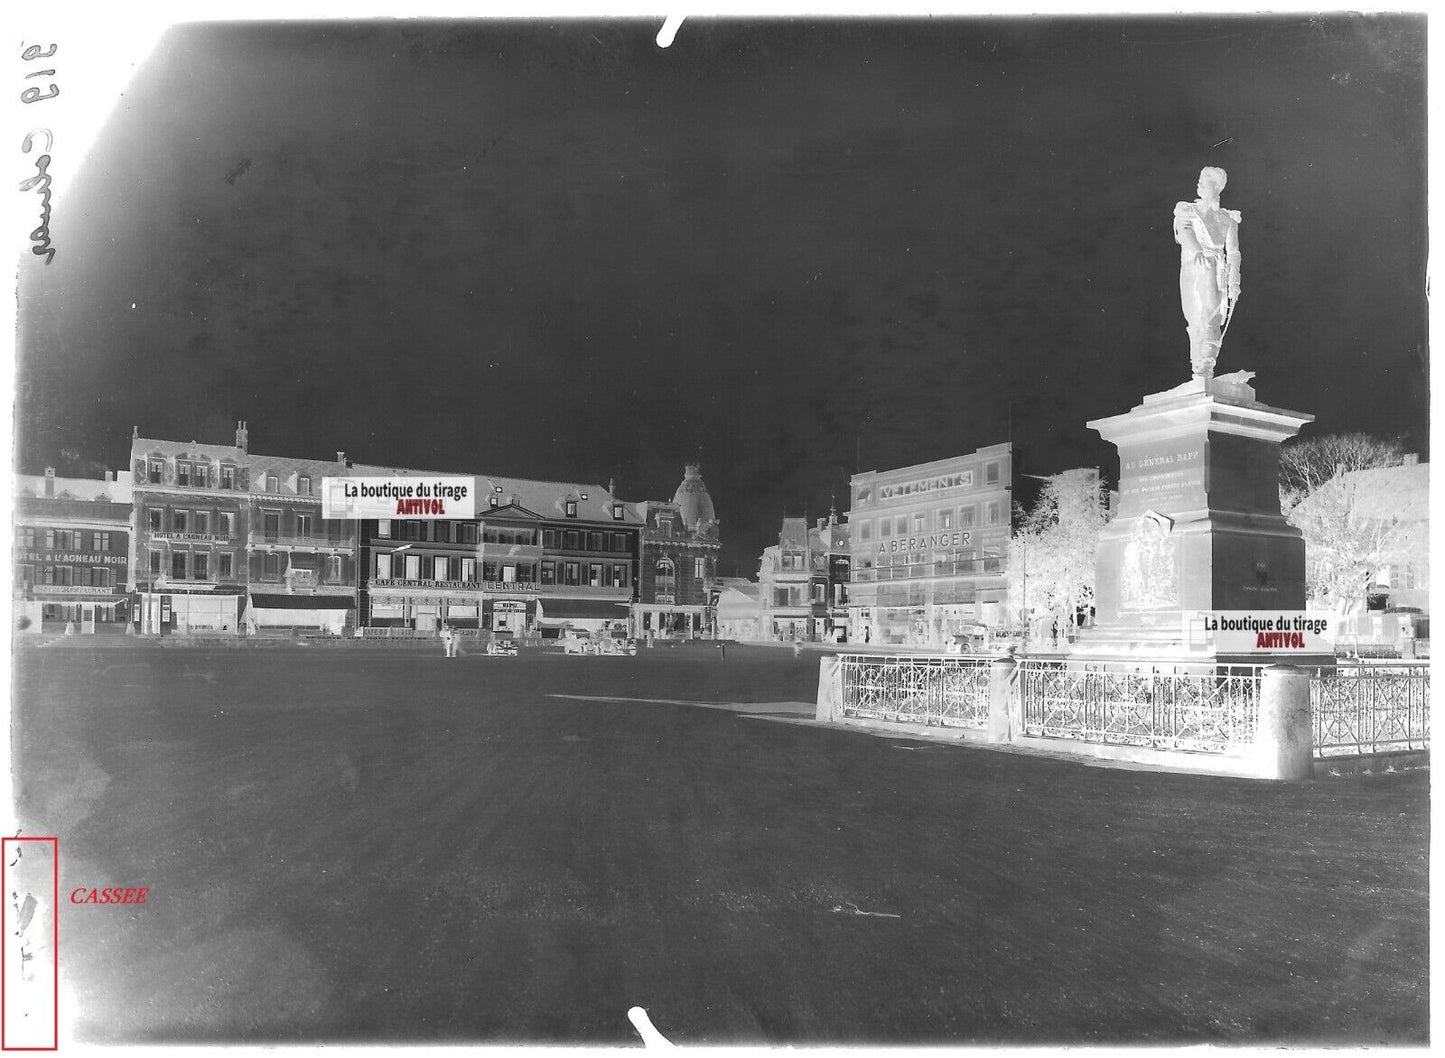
(448,641)
(723,648)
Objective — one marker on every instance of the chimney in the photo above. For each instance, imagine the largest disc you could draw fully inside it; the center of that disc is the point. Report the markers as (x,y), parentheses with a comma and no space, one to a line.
(241,435)
(341,457)
(1412,459)
(612,486)
(110,475)
(50,481)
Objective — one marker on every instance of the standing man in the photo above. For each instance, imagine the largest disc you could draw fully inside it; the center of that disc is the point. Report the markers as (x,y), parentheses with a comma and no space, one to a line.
(449,641)
(1208,238)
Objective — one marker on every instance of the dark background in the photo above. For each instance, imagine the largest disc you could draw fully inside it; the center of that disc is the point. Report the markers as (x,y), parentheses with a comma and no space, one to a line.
(789,249)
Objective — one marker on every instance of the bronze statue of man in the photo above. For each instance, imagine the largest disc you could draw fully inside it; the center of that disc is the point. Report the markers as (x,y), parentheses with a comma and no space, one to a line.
(1208,238)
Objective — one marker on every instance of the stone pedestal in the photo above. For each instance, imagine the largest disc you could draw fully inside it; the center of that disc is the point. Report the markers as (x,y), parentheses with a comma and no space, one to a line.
(1198,526)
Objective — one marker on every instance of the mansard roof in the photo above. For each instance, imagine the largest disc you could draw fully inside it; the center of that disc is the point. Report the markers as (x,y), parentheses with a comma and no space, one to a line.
(84,489)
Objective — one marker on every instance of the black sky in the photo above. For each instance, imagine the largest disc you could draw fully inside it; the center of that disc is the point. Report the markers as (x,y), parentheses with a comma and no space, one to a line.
(790,249)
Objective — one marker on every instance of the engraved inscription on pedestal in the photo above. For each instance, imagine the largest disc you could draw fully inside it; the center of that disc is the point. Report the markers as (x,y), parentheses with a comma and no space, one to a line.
(1162,477)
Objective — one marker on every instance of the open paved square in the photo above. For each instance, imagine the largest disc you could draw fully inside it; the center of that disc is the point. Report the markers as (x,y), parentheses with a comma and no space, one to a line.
(355,844)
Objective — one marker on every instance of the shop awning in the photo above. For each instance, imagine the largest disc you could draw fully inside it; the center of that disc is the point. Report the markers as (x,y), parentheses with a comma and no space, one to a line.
(302,602)
(582,609)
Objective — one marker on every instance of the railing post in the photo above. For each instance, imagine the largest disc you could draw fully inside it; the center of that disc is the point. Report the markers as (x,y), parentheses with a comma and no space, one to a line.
(1002,673)
(1284,744)
(830,688)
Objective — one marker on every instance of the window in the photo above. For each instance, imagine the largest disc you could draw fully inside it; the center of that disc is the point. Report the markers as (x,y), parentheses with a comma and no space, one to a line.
(383,567)
(966,516)
(573,540)
(991,515)
(469,570)
(155,563)
(550,538)
(156,467)
(63,575)
(200,565)
(50,539)
(183,473)
(203,522)
(570,573)
(28,537)
(617,512)
(439,568)
(865,529)
(47,575)
(271,567)
(411,530)
(492,499)
(383,528)
(271,524)
(549,573)
(469,532)
(594,542)
(900,525)
(178,565)
(820,592)
(990,474)
(443,532)
(303,486)
(699,568)
(920,522)
(333,569)
(619,541)
(272,484)
(224,564)
(619,574)
(179,521)
(945,519)
(303,525)
(665,575)
(489,571)
(228,524)
(571,507)
(102,541)
(594,575)
(991,560)
(228,477)
(413,567)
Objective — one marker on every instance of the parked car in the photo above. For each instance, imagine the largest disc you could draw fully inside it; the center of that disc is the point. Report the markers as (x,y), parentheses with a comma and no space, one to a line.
(503,647)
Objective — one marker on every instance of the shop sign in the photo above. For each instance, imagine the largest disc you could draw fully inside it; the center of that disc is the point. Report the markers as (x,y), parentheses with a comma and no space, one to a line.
(509,606)
(69,556)
(202,538)
(959,479)
(957,538)
(1261,631)
(665,597)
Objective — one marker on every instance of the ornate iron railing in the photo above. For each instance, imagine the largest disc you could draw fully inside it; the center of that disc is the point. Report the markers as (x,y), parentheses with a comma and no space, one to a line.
(940,691)
(1163,707)
(1371,708)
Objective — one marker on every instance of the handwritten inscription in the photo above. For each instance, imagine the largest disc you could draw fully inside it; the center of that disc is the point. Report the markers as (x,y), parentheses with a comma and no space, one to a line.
(40,182)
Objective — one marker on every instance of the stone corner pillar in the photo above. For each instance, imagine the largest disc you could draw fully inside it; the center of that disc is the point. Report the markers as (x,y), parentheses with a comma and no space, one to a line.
(1284,745)
(1002,675)
(830,688)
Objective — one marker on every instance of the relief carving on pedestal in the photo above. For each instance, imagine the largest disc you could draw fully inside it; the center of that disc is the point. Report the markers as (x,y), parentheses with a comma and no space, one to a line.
(1150,576)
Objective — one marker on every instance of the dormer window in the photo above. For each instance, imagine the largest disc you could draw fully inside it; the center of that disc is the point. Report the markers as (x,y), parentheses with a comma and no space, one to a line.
(228,477)
(617,512)
(183,473)
(495,502)
(272,484)
(571,508)
(156,469)
(303,486)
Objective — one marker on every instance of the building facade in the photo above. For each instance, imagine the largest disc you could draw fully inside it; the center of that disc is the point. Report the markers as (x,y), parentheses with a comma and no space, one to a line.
(678,581)
(301,568)
(190,522)
(803,582)
(72,553)
(538,557)
(929,546)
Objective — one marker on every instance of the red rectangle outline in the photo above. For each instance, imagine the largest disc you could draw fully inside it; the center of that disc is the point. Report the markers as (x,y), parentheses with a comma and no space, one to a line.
(54,944)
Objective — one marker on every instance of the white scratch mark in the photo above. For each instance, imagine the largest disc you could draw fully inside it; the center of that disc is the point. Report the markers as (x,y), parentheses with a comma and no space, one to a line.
(670,25)
(651,1038)
(852,909)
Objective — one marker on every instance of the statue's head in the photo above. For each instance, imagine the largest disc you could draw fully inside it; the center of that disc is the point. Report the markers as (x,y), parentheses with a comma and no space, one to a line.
(1212,179)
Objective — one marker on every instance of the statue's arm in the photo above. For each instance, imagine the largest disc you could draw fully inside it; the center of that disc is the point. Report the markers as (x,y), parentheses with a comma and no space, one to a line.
(1231,254)
(1184,228)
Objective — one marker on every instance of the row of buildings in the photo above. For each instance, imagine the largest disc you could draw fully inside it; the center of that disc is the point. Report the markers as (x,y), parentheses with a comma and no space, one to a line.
(214,538)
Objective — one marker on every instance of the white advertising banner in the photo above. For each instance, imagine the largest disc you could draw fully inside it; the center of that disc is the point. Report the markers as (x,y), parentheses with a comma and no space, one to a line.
(398,497)
(1261,631)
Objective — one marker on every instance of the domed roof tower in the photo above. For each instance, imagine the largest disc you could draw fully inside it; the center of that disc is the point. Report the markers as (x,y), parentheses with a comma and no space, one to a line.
(694,501)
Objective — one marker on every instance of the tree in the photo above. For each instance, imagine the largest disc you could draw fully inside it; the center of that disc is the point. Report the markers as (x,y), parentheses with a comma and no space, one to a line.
(1051,571)
(1349,533)
(1306,464)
